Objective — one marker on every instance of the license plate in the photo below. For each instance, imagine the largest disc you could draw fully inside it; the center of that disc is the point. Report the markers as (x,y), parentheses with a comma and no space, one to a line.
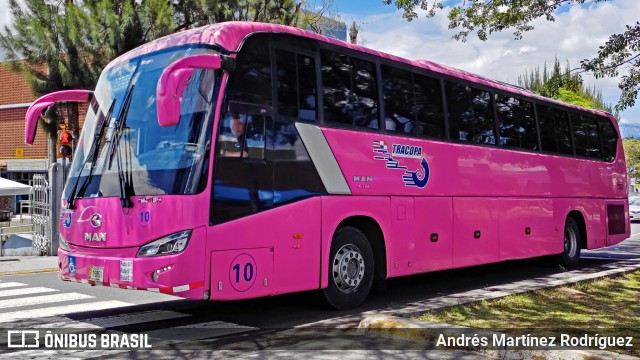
(126,270)
(96,273)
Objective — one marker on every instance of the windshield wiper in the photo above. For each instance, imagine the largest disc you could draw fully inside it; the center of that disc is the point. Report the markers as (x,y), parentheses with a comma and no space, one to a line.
(125,181)
(93,155)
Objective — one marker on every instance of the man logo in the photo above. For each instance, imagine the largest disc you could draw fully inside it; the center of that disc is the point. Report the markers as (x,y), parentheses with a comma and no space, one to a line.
(95,236)
(96,220)
(357,178)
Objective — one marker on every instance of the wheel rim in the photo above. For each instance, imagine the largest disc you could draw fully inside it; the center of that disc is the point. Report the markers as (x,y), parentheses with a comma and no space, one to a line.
(348,268)
(570,242)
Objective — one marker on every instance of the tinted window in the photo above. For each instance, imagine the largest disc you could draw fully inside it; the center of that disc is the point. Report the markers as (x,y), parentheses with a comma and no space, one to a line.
(251,81)
(350,92)
(585,135)
(296,76)
(399,104)
(609,138)
(470,114)
(307,98)
(555,132)
(242,132)
(516,122)
(287,83)
(413,103)
(428,106)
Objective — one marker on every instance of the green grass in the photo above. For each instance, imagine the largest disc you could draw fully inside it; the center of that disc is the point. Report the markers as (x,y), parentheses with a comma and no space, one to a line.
(589,307)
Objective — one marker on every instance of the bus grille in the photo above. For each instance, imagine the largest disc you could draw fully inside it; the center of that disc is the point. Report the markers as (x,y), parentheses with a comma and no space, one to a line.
(615,219)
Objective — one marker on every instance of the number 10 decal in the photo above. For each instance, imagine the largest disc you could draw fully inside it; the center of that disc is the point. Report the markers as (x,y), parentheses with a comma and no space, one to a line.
(243,272)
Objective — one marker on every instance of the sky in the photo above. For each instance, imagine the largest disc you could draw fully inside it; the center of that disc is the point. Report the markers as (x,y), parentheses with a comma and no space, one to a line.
(575,35)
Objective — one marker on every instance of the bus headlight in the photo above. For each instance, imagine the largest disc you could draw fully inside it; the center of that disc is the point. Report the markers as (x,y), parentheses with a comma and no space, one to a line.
(62,243)
(168,245)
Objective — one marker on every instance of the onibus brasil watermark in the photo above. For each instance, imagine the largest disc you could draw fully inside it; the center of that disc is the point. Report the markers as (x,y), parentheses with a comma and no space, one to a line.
(50,340)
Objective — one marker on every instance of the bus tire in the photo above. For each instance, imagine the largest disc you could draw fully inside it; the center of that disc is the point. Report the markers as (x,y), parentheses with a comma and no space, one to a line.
(350,269)
(570,257)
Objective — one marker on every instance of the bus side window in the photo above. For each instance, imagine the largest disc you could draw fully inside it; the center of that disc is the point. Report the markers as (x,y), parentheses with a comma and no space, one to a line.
(307,97)
(350,92)
(399,106)
(609,139)
(555,132)
(470,114)
(516,123)
(428,107)
(585,135)
(483,127)
(251,80)
(245,137)
(296,76)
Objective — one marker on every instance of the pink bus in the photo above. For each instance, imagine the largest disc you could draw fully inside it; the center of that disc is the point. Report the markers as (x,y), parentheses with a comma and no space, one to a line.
(241,160)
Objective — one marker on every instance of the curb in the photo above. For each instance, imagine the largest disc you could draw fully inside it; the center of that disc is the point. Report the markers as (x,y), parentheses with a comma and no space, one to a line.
(27,272)
(518,287)
(404,327)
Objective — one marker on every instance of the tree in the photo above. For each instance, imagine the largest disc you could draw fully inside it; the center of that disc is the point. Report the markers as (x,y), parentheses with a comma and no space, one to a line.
(62,45)
(632,156)
(564,85)
(191,13)
(485,17)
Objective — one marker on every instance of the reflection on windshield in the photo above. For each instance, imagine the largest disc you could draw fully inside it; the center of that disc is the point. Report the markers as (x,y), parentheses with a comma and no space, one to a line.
(156,160)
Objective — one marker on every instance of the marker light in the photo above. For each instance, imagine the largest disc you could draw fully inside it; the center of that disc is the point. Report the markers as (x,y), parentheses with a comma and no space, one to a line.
(168,245)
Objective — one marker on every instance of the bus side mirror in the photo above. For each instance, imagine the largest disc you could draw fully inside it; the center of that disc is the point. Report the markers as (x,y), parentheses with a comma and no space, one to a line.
(174,80)
(38,106)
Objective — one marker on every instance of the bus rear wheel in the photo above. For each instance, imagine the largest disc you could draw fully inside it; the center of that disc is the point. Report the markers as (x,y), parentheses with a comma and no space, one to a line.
(572,242)
(350,269)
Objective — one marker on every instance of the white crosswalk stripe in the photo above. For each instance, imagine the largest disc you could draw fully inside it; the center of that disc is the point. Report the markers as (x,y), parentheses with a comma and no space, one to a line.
(46,299)
(11,284)
(27,291)
(204,330)
(115,321)
(41,313)
(60,310)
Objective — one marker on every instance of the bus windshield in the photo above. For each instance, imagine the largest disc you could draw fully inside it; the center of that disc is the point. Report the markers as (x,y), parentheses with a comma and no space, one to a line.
(122,146)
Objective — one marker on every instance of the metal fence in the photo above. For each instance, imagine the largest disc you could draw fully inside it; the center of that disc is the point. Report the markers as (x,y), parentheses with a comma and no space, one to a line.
(40,213)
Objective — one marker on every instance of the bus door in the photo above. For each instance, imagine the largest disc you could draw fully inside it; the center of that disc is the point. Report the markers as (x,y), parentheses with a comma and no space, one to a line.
(243,179)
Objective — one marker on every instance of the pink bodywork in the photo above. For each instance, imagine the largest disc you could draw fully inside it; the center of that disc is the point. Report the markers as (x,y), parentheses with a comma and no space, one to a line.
(35,110)
(287,249)
(174,80)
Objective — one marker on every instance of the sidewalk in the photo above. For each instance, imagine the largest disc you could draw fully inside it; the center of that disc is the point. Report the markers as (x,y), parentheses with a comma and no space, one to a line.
(17,265)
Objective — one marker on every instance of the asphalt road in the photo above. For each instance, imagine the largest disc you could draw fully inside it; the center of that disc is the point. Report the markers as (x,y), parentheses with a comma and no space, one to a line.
(27,301)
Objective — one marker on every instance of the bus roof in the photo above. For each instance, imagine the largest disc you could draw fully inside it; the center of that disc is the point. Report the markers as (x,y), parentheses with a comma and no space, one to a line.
(230,36)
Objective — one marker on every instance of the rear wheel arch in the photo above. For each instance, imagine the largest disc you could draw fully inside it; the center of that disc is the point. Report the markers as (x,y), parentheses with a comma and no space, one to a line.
(582,225)
(372,230)
(356,263)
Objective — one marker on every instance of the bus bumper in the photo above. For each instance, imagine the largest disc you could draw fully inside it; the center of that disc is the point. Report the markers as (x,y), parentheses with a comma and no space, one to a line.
(180,275)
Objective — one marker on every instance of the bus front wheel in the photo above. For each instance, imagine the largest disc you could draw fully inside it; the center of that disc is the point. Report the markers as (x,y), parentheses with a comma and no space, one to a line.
(572,242)
(350,269)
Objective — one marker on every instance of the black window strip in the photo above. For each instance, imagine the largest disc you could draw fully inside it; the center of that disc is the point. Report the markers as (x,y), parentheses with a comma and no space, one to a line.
(354,54)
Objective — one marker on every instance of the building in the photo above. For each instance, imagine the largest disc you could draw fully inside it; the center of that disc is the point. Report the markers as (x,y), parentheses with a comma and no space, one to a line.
(22,161)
